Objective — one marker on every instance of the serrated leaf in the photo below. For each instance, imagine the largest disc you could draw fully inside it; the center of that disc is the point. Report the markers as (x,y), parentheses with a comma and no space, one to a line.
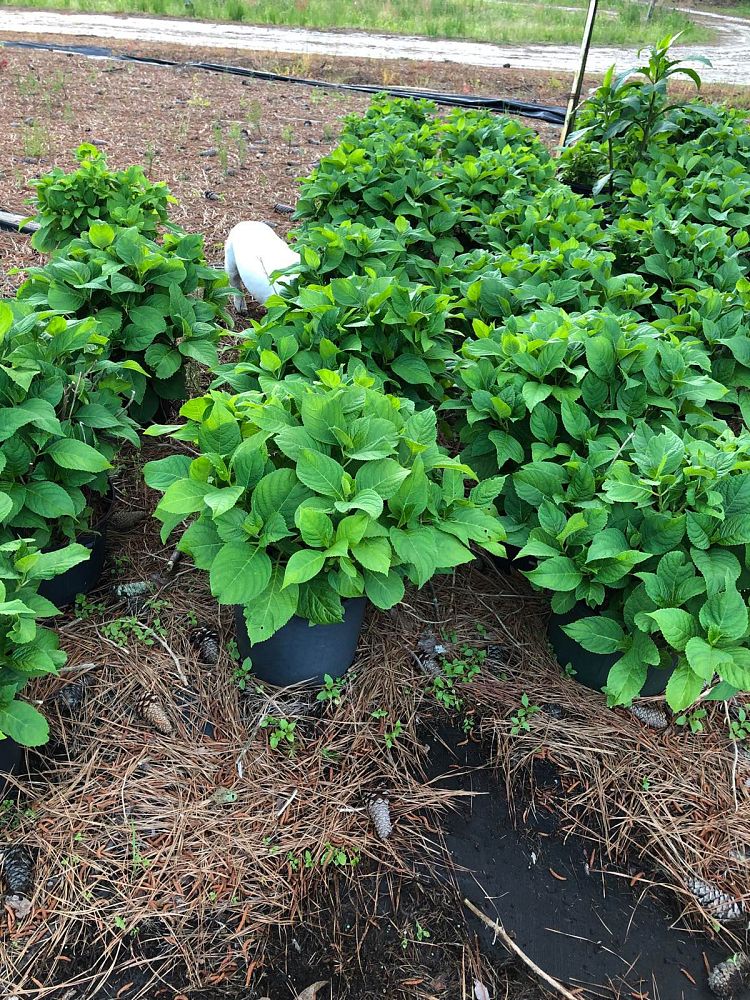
(303,566)
(239,574)
(596,633)
(272,609)
(320,473)
(71,454)
(676,625)
(558,574)
(683,688)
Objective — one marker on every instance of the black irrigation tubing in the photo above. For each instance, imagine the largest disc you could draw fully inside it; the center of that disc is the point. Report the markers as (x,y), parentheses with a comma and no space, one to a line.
(552,114)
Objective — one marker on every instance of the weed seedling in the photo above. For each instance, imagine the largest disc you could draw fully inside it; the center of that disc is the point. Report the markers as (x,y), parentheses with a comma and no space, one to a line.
(85,608)
(253,111)
(739,728)
(520,721)
(242,673)
(281,732)
(287,134)
(236,134)
(461,670)
(332,690)
(391,736)
(693,719)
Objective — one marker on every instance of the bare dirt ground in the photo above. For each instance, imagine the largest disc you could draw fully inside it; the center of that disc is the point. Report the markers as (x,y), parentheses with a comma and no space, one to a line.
(730,56)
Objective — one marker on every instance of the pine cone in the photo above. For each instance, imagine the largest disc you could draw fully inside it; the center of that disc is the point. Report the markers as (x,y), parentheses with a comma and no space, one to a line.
(151,710)
(71,696)
(380,814)
(125,520)
(137,588)
(728,978)
(206,643)
(719,904)
(655,718)
(554,710)
(18,870)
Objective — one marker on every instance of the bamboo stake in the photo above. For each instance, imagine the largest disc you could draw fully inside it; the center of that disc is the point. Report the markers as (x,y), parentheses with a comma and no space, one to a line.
(575,93)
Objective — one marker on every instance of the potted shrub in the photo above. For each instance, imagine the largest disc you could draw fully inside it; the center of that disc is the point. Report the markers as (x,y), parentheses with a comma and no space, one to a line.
(310,497)
(607,505)
(661,550)
(145,298)
(62,423)
(27,650)
(399,330)
(68,204)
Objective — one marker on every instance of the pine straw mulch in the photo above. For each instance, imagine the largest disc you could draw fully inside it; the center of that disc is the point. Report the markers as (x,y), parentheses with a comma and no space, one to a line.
(134,835)
(131,827)
(670,804)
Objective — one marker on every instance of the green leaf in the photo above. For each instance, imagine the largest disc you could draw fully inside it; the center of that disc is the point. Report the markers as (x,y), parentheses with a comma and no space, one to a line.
(71,454)
(272,609)
(410,499)
(543,423)
(683,688)
(222,500)
(367,500)
(202,542)
(625,680)
(628,675)
(239,573)
(219,430)
(319,603)
(48,500)
(705,660)
(574,419)
(558,573)
(676,625)
(278,491)
(320,473)
(384,476)
(596,633)
(416,548)
(607,544)
(45,565)
(534,393)
(384,591)
(718,566)
(101,235)
(726,614)
(374,554)
(736,670)
(315,527)
(412,370)
(24,724)
(303,566)
(183,497)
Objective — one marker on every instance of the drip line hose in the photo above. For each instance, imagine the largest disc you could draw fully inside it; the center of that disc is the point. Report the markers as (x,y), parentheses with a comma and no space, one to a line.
(552,114)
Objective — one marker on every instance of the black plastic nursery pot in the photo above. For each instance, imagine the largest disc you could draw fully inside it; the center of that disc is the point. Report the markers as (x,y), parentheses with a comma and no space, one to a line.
(62,590)
(10,762)
(592,669)
(300,651)
(510,561)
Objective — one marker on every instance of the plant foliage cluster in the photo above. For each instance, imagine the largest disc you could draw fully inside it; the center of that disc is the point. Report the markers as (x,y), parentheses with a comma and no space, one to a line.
(93,340)
(469,352)
(588,355)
